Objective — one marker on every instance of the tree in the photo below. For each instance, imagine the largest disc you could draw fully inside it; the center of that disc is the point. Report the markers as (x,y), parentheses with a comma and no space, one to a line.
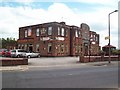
(6,42)
(116,52)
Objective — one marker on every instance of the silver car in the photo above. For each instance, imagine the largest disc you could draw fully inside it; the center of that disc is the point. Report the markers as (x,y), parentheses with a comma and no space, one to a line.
(18,53)
(32,54)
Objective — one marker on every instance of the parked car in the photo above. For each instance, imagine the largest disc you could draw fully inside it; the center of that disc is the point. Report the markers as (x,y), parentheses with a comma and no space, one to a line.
(8,53)
(32,54)
(2,52)
(18,53)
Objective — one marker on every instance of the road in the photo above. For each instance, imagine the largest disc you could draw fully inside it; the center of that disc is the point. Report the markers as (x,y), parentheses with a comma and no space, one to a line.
(105,76)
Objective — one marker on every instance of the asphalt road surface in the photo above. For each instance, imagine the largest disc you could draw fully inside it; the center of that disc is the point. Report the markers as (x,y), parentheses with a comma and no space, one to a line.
(105,76)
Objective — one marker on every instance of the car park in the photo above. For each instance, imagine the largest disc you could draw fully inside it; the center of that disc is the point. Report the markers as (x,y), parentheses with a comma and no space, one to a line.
(18,53)
(32,54)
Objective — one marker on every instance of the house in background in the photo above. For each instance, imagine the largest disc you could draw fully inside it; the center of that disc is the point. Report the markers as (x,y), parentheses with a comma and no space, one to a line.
(106,49)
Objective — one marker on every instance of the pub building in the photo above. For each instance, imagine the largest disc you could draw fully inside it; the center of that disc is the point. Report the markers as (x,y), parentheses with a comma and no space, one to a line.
(56,39)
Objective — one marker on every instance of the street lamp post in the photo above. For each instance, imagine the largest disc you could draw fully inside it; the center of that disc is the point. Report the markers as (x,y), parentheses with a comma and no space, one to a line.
(109,34)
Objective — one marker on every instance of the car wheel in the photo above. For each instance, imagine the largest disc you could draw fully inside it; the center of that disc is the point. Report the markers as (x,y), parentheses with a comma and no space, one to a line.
(29,56)
(38,56)
(18,56)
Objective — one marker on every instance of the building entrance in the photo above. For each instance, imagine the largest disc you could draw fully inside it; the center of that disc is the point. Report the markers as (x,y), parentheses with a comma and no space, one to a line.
(30,47)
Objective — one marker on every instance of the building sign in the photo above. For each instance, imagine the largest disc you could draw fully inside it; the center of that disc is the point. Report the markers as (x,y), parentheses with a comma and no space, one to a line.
(25,40)
(60,38)
(93,42)
(45,38)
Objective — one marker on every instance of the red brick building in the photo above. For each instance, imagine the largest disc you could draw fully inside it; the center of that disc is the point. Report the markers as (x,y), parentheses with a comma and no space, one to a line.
(94,43)
(56,39)
(50,39)
(75,41)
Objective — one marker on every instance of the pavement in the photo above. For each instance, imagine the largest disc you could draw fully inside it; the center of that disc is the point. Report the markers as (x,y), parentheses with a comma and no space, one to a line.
(54,63)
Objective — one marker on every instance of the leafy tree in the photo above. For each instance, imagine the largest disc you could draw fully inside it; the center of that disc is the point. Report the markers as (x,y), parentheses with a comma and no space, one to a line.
(116,52)
(5,42)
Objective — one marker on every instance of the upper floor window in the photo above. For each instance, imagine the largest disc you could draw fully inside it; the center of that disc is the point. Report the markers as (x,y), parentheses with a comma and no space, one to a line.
(29,32)
(79,33)
(58,30)
(37,47)
(91,35)
(49,30)
(25,33)
(37,32)
(43,31)
(76,33)
(63,32)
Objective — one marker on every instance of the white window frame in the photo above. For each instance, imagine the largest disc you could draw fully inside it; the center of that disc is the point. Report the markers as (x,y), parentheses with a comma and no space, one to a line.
(50,30)
(37,32)
(26,33)
(29,32)
(37,47)
(43,30)
(63,32)
(58,30)
(76,33)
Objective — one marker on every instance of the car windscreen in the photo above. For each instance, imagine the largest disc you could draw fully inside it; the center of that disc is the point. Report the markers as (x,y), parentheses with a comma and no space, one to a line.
(13,50)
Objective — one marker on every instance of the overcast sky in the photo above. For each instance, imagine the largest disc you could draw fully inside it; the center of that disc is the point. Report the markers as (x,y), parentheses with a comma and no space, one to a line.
(18,13)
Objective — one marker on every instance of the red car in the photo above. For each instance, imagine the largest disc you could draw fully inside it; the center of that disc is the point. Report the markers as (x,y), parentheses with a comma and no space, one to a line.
(2,52)
(8,53)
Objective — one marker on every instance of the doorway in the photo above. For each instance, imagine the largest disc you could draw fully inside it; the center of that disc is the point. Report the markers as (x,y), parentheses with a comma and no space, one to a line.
(30,47)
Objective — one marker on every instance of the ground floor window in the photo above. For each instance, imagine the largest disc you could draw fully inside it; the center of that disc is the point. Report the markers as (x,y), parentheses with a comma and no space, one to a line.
(58,48)
(30,47)
(19,46)
(49,47)
(62,48)
(77,49)
(25,46)
(37,47)
(22,46)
